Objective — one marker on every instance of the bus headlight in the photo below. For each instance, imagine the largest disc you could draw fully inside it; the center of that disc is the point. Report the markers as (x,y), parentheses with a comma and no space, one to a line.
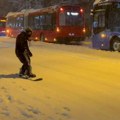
(8,31)
(55,39)
(36,38)
(46,39)
(103,35)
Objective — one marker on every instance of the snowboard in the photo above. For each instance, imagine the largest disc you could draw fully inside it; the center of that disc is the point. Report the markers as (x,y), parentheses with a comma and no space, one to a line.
(31,78)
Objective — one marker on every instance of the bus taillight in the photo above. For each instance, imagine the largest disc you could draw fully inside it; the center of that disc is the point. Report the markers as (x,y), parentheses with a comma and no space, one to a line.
(61,9)
(81,10)
(58,29)
(84,30)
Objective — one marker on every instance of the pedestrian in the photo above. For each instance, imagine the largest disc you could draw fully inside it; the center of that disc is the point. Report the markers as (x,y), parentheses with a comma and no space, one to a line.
(23,53)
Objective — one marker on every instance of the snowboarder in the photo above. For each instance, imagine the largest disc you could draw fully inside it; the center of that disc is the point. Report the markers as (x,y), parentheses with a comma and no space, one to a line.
(23,53)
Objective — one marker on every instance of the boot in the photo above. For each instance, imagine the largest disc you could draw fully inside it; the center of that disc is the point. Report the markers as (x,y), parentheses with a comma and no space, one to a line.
(32,75)
(21,72)
(29,72)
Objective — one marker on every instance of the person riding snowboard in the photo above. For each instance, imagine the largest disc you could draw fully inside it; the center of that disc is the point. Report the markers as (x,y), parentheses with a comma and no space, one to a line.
(23,52)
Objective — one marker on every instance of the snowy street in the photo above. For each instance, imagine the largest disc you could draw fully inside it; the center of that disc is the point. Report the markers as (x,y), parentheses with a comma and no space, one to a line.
(79,83)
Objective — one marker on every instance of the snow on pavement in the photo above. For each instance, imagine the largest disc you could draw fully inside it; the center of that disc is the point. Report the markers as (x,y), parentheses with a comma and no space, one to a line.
(79,83)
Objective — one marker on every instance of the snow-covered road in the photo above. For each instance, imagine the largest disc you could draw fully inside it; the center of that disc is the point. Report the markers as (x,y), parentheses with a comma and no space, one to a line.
(79,83)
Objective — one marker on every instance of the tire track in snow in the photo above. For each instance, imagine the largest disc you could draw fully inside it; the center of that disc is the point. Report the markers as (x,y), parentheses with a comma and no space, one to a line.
(6,45)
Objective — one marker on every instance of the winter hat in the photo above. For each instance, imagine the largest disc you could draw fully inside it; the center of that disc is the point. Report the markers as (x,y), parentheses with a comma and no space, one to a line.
(28,30)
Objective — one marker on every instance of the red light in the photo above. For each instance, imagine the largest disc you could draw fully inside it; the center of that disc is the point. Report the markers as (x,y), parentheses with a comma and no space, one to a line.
(81,10)
(84,30)
(58,29)
(61,9)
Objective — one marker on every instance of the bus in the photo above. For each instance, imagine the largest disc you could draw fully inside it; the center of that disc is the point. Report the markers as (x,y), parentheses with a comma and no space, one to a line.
(63,23)
(2,26)
(106,25)
(15,23)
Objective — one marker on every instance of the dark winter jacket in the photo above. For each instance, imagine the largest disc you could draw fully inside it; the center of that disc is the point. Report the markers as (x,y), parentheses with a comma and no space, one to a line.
(22,44)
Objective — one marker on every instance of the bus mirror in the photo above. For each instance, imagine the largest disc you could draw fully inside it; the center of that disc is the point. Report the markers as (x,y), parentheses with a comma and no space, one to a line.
(95,24)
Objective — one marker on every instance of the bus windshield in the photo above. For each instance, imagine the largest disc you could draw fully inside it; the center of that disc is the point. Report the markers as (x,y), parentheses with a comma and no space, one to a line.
(2,24)
(99,21)
(69,18)
(114,20)
(106,16)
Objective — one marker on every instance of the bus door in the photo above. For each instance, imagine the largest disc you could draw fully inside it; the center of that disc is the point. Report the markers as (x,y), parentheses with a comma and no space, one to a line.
(99,27)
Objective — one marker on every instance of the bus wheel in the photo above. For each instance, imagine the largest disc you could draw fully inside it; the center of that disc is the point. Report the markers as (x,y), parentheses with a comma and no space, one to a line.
(115,45)
(42,38)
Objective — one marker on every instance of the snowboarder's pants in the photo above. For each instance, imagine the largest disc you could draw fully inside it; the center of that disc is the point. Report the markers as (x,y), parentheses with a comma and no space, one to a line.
(25,60)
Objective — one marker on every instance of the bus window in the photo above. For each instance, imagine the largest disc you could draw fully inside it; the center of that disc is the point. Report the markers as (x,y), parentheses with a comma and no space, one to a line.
(69,18)
(42,22)
(17,22)
(2,24)
(37,22)
(21,22)
(53,20)
(31,22)
(46,22)
(99,22)
(49,21)
(114,22)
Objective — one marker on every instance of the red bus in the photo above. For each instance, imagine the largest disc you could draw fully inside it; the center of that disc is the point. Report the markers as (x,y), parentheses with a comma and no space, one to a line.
(14,23)
(52,24)
(2,26)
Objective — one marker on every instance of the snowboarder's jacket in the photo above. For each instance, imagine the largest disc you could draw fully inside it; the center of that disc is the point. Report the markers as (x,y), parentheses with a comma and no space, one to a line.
(22,44)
